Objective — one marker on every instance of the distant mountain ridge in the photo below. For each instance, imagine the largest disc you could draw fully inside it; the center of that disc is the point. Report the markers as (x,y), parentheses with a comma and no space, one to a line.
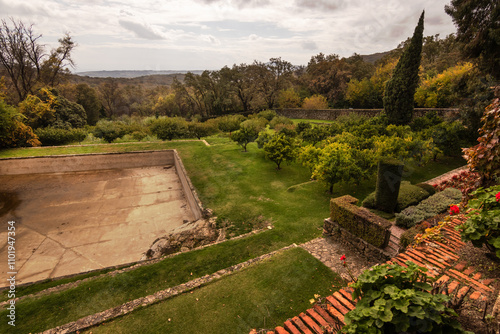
(131,73)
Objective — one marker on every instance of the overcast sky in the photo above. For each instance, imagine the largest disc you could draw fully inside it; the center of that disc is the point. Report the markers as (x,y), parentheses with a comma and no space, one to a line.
(209,34)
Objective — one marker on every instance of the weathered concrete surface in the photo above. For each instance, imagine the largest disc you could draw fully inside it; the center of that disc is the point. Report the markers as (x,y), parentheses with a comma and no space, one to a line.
(73,222)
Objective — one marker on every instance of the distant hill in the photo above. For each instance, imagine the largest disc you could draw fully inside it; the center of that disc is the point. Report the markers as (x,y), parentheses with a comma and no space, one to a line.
(372,58)
(130,74)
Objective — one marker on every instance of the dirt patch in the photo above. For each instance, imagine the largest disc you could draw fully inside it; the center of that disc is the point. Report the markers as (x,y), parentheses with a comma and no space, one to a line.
(473,315)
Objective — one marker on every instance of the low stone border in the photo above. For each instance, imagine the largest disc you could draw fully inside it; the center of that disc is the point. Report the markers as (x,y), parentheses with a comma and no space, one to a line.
(98,318)
(128,267)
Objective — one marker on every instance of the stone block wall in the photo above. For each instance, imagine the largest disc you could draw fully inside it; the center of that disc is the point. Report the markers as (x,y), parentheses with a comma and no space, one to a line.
(358,221)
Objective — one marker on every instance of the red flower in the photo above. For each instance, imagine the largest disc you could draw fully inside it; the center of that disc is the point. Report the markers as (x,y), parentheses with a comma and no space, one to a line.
(342,258)
(454,209)
(498,196)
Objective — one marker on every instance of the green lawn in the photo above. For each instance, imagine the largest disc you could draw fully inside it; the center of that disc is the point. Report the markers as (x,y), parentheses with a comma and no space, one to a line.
(243,187)
(262,296)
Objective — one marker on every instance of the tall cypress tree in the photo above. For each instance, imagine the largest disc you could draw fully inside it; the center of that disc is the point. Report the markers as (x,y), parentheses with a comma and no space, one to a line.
(400,89)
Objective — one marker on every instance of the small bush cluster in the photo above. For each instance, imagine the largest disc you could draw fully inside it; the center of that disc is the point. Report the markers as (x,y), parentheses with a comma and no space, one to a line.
(409,195)
(55,136)
(430,207)
(395,299)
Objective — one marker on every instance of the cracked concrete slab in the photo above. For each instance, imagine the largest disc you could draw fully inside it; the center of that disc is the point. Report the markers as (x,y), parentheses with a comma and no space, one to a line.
(74,222)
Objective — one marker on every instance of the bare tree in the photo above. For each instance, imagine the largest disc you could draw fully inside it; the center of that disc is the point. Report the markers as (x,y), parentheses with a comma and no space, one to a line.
(24,60)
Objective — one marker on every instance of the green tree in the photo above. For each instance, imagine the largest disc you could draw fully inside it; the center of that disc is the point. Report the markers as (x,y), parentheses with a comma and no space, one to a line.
(478,31)
(315,102)
(13,132)
(335,164)
(289,98)
(280,148)
(248,132)
(400,89)
(87,97)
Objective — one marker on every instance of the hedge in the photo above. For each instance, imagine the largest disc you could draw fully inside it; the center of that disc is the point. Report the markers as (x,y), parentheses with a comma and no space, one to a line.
(434,205)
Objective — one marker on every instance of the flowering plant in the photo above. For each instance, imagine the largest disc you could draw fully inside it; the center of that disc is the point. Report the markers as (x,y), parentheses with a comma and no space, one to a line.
(483,219)
(343,259)
(454,209)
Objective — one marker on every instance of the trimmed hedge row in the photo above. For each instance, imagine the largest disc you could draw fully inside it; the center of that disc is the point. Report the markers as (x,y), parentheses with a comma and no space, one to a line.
(409,194)
(55,136)
(435,204)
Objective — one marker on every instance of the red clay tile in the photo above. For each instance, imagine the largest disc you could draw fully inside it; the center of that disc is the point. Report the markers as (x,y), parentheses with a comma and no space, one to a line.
(452,286)
(281,330)
(347,303)
(460,266)
(319,319)
(289,326)
(324,314)
(335,313)
(475,295)
(468,271)
(337,304)
(301,326)
(310,323)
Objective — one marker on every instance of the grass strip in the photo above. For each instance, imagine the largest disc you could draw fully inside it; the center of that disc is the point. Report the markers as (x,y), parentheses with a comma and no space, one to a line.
(260,296)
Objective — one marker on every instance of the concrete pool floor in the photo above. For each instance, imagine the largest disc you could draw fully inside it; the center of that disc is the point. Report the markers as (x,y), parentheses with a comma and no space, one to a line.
(73,222)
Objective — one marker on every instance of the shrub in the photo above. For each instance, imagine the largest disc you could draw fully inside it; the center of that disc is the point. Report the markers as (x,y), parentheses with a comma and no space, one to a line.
(409,217)
(263,138)
(482,226)
(54,136)
(466,181)
(395,299)
(315,102)
(409,194)
(280,120)
(13,132)
(168,128)
(429,207)
(302,126)
(109,130)
(230,123)
(427,187)
(286,129)
(267,114)
(408,236)
(200,130)
(484,158)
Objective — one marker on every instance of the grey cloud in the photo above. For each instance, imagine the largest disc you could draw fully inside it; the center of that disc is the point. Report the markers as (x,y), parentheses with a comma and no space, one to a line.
(328,5)
(10,8)
(309,45)
(240,3)
(141,30)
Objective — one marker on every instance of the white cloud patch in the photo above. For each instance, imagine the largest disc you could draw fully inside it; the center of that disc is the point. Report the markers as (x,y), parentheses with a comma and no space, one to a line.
(210,39)
(142,30)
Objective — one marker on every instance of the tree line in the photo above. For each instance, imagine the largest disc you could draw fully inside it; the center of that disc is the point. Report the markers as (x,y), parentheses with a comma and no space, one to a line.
(453,71)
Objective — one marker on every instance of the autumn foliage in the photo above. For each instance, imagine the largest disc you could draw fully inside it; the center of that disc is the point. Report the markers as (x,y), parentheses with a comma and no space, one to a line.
(485,156)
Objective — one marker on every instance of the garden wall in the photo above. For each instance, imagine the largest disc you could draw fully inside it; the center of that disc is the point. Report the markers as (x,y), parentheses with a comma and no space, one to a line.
(332,114)
(358,221)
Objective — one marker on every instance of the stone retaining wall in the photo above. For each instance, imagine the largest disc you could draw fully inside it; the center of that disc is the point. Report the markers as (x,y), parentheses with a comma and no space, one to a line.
(358,221)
